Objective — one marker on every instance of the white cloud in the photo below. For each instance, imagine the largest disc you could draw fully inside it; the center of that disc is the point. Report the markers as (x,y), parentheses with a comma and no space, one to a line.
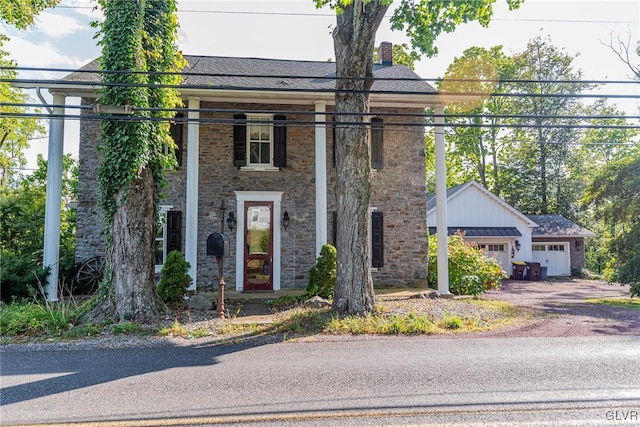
(56,25)
(45,55)
(84,7)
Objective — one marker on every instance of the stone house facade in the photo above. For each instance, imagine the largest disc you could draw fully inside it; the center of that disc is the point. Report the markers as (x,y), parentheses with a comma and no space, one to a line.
(258,162)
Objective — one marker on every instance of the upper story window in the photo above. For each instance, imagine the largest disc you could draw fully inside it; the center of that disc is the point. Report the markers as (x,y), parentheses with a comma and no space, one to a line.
(259,141)
(176,128)
(377,143)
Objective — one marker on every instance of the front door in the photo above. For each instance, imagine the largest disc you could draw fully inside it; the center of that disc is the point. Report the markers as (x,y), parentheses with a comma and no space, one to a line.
(258,252)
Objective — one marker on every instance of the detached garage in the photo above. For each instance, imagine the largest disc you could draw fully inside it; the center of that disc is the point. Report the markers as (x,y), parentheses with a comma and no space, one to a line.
(508,235)
(487,221)
(558,244)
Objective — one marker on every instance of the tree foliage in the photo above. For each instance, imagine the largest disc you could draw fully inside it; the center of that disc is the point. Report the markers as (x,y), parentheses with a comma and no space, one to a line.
(537,163)
(614,195)
(21,13)
(14,132)
(476,149)
(22,209)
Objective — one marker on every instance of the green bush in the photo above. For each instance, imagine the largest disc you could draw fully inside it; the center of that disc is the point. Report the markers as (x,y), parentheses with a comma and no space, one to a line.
(34,318)
(322,276)
(175,280)
(471,272)
(635,288)
(20,276)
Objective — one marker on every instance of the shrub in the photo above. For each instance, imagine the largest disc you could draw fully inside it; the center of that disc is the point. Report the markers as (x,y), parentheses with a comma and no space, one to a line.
(37,318)
(471,272)
(20,276)
(322,276)
(635,288)
(175,280)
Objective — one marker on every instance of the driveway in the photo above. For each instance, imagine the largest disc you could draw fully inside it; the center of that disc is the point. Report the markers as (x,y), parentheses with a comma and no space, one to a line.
(559,308)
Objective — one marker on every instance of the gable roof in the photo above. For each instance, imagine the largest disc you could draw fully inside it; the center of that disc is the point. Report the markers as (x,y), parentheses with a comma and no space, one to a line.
(220,74)
(558,226)
(459,189)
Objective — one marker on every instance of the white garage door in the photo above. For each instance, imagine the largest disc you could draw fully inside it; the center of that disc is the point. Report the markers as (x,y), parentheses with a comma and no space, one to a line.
(555,256)
(500,253)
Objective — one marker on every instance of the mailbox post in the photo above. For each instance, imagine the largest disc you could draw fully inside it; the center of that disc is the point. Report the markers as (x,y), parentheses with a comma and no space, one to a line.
(218,246)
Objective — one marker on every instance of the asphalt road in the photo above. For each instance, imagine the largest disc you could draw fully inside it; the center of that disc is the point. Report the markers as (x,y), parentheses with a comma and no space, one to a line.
(369,381)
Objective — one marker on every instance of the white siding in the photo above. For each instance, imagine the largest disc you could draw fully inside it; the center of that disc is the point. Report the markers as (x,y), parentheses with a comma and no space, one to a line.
(472,207)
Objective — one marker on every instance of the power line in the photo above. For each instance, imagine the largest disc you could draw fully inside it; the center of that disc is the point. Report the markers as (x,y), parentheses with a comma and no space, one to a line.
(308,123)
(26,84)
(374,112)
(331,15)
(315,77)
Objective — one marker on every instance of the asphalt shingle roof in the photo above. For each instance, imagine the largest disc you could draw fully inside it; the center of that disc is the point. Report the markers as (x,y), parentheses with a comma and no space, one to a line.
(557,225)
(219,72)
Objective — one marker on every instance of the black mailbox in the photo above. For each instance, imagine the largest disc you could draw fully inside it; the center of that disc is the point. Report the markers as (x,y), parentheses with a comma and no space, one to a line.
(218,244)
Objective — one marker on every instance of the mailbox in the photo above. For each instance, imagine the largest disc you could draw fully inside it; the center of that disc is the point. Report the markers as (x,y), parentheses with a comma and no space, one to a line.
(218,245)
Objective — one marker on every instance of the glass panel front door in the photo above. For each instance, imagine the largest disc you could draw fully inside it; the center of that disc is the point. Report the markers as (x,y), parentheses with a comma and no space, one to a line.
(258,256)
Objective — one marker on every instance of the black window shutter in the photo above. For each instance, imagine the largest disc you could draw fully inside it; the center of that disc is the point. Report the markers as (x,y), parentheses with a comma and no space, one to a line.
(335,228)
(279,141)
(377,145)
(377,240)
(239,140)
(174,231)
(333,128)
(176,128)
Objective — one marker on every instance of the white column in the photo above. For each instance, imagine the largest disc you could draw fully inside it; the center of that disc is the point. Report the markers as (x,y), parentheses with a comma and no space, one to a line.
(51,257)
(321,176)
(441,204)
(191,204)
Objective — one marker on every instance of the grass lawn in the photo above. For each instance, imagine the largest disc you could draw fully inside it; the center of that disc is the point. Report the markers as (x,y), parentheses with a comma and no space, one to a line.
(632,303)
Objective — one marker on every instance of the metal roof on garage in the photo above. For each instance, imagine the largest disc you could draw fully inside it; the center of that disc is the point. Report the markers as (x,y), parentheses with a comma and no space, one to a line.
(481,231)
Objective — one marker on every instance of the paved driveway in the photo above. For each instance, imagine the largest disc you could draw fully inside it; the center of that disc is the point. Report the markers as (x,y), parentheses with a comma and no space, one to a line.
(559,308)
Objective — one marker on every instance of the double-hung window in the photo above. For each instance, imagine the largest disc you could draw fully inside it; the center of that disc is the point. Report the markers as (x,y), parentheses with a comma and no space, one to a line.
(168,235)
(259,141)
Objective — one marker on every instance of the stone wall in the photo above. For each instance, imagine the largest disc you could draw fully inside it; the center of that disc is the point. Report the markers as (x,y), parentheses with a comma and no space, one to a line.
(90,240)
(398,191)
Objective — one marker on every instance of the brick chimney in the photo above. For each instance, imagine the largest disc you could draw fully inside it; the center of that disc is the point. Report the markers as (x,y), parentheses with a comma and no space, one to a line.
(385,53)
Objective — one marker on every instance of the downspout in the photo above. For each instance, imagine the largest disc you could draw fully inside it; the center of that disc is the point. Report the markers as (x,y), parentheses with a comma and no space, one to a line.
(44,101)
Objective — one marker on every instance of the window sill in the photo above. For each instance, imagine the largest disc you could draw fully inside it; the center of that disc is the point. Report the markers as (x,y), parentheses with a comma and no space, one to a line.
(260,169)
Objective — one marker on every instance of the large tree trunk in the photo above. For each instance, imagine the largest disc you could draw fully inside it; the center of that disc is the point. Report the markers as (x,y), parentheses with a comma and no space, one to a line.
(354,38)
(132,292)
(131,255)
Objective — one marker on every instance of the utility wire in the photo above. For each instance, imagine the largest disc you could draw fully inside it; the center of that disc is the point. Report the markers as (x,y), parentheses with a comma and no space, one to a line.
(332,15)
(304,123)
(182,111)
(25,83)
(316,77)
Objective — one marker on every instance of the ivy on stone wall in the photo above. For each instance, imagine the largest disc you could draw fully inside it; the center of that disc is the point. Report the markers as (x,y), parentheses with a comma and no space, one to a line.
(137,36)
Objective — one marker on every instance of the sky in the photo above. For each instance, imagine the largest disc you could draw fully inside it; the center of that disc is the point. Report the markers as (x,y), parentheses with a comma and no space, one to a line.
(295,29)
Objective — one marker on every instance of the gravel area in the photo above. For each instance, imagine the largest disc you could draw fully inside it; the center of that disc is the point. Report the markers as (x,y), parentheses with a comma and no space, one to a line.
(549,309)
(562,310)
